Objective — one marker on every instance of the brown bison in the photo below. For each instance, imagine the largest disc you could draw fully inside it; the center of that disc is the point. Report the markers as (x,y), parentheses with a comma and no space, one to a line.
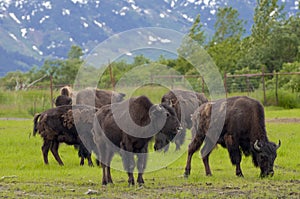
(97,97)
(65,97)
(244,130)
(185,103)
(66,124)
(127,128)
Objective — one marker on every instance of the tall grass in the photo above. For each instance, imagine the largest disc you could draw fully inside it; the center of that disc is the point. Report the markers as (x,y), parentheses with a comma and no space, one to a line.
(24,103)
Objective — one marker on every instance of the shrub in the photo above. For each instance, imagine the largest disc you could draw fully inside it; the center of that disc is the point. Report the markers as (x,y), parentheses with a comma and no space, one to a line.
(286,99)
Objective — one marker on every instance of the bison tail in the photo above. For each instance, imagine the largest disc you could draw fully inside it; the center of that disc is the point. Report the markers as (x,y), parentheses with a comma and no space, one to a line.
(35,120)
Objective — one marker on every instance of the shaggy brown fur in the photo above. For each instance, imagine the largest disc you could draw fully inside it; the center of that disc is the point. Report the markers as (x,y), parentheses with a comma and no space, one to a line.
(243,131)
(69,124)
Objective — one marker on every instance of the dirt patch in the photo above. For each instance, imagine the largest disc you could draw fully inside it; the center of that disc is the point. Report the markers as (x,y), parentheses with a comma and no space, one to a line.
(283,120)
(13,118)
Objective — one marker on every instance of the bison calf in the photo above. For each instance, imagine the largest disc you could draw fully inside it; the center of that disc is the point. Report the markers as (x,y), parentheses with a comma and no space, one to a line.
(243,130)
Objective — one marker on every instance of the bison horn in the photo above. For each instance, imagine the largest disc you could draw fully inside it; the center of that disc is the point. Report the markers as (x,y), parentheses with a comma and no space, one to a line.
(278,145)
(159,107)
(256,145)
(170,103)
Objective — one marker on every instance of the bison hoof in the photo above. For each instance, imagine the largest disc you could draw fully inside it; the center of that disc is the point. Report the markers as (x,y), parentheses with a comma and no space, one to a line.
(240,175)
(186,174)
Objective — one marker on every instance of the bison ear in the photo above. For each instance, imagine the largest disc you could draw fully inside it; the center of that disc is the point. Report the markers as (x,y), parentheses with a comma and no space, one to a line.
(256,147)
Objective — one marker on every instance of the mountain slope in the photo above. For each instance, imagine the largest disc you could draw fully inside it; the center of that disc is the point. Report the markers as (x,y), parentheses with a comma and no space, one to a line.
(33,30)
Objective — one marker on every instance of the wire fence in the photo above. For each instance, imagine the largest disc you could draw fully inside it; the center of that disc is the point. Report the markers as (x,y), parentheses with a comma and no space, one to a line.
(242,83)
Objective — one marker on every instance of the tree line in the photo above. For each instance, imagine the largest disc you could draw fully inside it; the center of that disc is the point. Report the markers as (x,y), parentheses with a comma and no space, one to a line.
(272,46)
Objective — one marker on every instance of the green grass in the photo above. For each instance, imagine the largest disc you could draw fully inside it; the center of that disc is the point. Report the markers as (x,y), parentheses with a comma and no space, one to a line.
(23,174)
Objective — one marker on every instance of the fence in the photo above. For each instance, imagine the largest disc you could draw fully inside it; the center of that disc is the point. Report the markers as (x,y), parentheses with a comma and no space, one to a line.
(246,83)
(238,83)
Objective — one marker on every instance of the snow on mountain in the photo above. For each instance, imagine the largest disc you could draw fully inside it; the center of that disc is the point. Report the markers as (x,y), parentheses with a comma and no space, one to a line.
(39,29)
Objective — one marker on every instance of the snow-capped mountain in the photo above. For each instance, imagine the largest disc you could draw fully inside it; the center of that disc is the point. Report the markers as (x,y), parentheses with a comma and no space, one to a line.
(32,30)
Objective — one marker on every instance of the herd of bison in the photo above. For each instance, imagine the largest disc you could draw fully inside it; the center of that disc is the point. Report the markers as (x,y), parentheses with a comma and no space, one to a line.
(104,123)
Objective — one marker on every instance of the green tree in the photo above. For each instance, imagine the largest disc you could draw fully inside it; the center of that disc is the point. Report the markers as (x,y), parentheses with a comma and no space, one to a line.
(226,43)
(268,15)
(228,25)
(196,35)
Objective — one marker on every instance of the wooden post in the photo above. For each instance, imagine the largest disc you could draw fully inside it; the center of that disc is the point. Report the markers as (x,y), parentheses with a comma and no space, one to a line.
(51,91)
(225,83)
(248,86)
(264,85)
(276,89)
(202,79)
(112,80)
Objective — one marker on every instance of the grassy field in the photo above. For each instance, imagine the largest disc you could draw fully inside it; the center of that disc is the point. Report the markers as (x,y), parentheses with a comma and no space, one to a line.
(24,175)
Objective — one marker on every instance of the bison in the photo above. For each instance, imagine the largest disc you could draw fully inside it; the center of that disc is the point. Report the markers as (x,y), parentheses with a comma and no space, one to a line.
(244,130)
(127,128)
(66,124)
(97,97)
(185,103)
(65,97)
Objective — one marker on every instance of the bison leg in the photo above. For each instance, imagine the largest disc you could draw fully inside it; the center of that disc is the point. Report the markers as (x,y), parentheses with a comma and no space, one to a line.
(141,165)
(45,150)
(234,153)
(104,178)
(193,147)
(81,161)
(54,150)
(205,160)
(179,139)
(128,163)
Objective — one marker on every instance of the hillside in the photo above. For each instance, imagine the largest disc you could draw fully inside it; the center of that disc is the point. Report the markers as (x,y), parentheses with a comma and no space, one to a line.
(33,30)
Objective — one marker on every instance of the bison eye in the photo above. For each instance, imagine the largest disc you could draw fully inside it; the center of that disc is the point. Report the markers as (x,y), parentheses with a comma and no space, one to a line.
(168,114)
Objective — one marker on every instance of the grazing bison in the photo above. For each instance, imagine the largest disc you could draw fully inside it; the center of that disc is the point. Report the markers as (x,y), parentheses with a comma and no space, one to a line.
(65,97)
(185,103)
(244,130)
(127,128)
(69,124)
(97,97)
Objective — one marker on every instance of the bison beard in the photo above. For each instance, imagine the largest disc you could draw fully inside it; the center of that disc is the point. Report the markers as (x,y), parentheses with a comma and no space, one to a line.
(66,124)
(185,103)
(131,140)
(243,130)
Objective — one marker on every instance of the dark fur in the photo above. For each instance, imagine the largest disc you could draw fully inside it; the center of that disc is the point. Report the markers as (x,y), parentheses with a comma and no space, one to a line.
(185,103)
(111,136)
(244,125)
(97,98)
(66,124)
(64,98)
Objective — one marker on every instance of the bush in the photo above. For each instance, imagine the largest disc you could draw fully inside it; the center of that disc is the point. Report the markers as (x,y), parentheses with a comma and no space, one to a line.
(286,99)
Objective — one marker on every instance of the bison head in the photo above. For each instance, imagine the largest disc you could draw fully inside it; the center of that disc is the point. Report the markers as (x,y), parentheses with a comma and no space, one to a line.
(264,157)
(170,129)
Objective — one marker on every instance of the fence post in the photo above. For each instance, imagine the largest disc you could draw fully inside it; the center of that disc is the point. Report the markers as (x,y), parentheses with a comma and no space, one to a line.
(276,88)
(202,79)
(112,80)
(225,83)
(264,85)
(248,86)
(51,91)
